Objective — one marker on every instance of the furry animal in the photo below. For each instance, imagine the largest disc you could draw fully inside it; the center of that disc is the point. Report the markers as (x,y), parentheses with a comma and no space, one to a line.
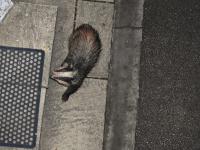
(84,49)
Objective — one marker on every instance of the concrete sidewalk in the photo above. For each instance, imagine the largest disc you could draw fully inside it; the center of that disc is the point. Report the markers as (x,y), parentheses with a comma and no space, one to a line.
(168,113)
(79,123)
(31,26)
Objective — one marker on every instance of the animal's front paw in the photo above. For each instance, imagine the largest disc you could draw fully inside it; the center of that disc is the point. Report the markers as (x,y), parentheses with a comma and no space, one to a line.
(65,98)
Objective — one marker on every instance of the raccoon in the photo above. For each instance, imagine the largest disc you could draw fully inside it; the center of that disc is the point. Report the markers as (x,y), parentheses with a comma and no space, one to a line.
(84,49)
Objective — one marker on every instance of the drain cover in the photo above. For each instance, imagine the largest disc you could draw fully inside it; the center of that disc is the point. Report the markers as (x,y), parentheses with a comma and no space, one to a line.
(20,87)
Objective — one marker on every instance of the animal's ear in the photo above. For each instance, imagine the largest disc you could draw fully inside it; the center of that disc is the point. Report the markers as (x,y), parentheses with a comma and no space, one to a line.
(64,67)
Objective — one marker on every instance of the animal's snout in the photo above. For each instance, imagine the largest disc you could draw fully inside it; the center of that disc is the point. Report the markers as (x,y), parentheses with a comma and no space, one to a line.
(62,75)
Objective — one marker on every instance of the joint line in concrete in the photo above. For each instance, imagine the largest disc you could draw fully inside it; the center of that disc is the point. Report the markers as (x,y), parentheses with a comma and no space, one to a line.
(98,78)
(128,27)
(75,14)
(97,1)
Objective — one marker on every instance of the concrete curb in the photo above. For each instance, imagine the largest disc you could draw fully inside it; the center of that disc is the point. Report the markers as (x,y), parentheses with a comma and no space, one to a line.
(123,81)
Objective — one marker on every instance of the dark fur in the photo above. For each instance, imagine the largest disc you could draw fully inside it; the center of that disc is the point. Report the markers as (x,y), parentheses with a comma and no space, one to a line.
(84,49)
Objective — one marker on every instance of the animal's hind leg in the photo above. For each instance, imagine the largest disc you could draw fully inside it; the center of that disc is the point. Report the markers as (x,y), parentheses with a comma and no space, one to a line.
(70,90)
(65,97)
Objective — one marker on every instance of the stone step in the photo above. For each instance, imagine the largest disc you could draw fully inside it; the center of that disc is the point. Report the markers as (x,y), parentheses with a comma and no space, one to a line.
(31,26)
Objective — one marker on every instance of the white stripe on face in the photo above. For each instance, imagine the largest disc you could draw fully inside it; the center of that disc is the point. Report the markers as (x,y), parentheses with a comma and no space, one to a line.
(69,74)
(66,74)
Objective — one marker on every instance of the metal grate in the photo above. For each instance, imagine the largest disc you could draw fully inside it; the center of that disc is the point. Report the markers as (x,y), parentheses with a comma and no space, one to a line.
(20,87)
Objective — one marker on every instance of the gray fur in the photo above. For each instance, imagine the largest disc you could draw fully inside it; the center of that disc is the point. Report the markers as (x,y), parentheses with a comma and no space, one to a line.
(84,49)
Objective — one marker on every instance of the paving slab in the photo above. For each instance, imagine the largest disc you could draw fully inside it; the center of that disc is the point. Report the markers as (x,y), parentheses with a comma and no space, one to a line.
(123,90)
(64,27)
(100,16)
(168,109)
(30,26)
(78,123)
(128,13)
(42,100)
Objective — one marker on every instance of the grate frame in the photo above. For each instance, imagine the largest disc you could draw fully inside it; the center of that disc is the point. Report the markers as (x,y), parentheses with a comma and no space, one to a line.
(22,131)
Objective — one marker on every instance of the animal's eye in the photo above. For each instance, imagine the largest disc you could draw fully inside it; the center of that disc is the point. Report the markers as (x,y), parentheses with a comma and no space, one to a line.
(75,81)
(64,64)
